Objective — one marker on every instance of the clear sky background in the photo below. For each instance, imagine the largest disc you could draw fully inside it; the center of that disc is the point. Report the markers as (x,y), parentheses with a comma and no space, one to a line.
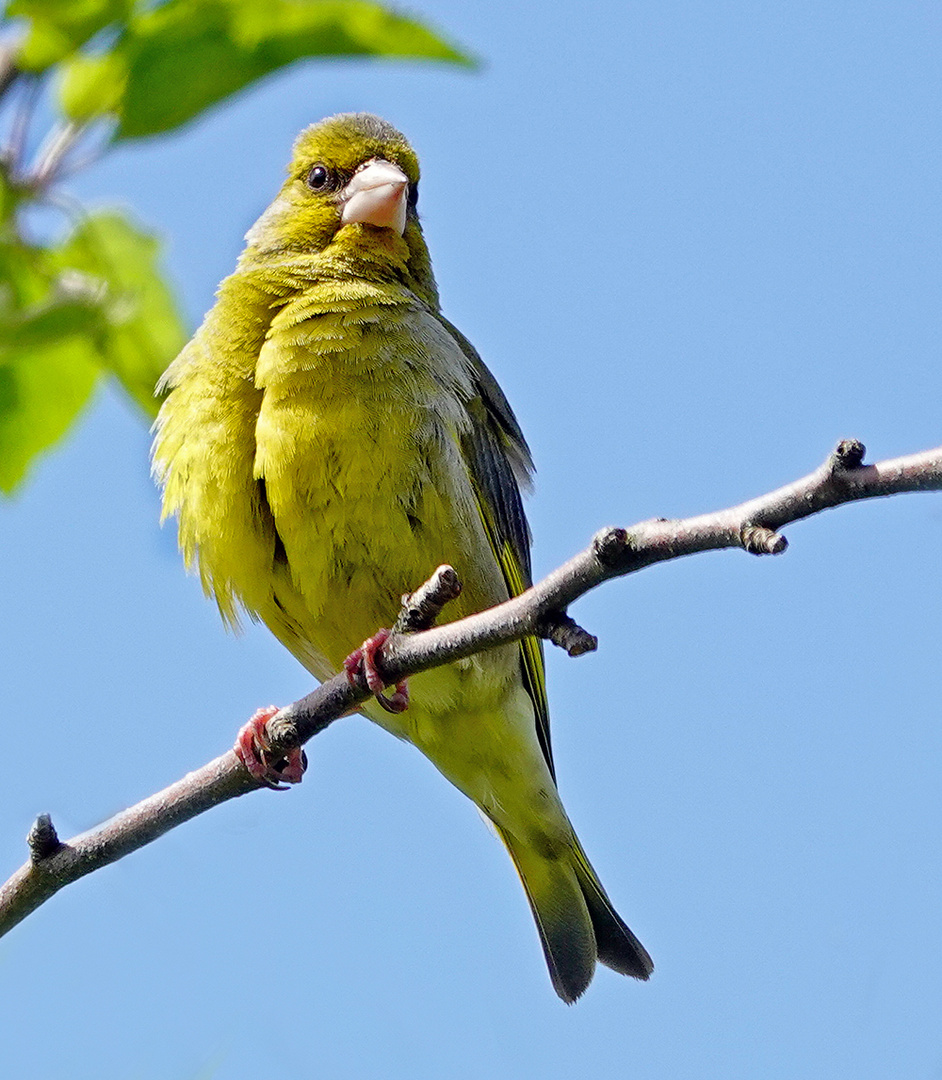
(698,243)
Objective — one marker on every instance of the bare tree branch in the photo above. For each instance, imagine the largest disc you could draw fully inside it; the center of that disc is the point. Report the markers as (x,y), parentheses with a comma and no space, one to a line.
(417,645)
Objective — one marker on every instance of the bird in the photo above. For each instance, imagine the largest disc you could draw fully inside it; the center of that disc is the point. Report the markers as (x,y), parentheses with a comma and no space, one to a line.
(327,438)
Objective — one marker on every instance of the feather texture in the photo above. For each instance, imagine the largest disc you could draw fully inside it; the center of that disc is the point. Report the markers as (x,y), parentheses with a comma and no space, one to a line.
(329,438)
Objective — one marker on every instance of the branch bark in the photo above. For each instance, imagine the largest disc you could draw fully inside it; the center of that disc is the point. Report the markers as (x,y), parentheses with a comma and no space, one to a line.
(752,526)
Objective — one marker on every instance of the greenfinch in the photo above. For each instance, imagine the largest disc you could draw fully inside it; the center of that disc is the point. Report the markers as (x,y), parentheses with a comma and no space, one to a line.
(328,439)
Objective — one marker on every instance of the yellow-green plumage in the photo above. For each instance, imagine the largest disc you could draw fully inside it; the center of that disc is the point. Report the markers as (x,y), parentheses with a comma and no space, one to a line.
(328,440)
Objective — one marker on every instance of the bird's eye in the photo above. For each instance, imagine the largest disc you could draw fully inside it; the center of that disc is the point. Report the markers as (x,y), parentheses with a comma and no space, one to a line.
(413,195)
(318,178)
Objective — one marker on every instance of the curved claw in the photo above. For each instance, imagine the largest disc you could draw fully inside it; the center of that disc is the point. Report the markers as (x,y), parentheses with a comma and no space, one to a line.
(398,701)
(252,748)
(362,662)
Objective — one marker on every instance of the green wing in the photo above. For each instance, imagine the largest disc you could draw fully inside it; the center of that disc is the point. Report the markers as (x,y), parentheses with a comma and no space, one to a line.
(500,463)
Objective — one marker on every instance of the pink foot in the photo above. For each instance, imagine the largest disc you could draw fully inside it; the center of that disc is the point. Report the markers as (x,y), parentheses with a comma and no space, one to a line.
(252,748)
(362,663)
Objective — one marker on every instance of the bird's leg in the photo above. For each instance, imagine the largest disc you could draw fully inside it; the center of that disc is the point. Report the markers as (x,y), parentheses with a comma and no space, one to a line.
(252,748)
(362,661)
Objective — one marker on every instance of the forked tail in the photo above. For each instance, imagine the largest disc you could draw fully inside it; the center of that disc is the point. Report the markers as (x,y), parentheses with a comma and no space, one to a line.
(575,918)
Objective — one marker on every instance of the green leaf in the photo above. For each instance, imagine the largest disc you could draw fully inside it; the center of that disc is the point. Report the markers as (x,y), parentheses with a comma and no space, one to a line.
(48,359)
(141,330)
(288,30)
(186,55)
(25,281)
(8,199)
(59,28)
(91,86)
(96,303)
(45,380)
(11,195)
(43,46)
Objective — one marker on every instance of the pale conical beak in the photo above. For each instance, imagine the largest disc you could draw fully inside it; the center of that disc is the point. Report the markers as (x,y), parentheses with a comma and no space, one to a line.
(377,196)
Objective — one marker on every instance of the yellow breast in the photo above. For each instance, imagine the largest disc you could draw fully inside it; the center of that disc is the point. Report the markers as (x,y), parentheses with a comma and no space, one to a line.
(357,443)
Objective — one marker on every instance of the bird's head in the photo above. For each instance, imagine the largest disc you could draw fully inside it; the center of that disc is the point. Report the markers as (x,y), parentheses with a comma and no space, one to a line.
(350,196)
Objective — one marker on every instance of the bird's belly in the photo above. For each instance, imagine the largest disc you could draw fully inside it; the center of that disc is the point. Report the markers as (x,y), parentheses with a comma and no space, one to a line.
(358,552)
(475,721)
(368,496)
(369,491)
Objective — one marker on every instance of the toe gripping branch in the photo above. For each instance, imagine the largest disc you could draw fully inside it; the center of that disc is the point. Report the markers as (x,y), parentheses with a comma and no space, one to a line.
(363,667)
(254,750)
(418,612)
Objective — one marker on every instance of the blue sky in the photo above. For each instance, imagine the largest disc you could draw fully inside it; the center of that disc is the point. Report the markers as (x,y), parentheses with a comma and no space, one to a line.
(698,243)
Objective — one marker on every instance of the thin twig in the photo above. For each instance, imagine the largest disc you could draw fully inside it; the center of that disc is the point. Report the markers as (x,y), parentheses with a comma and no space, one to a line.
(752,526)
(15,150)
(9,71)
(52,154)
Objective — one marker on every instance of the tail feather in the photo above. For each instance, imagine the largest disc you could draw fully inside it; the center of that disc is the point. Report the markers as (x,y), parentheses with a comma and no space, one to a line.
(618,948)
(561,915)
(575,919)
